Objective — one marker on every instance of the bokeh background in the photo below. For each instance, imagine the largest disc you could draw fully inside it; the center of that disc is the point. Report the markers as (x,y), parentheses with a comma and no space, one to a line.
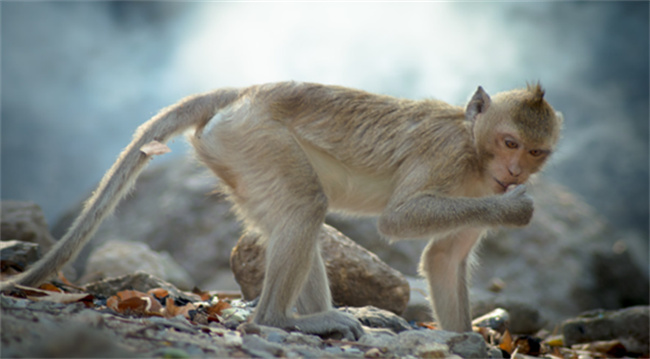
(78,77)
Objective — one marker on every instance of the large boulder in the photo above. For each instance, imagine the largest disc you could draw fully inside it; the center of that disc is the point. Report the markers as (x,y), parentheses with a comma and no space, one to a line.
(357,277)
(24,221)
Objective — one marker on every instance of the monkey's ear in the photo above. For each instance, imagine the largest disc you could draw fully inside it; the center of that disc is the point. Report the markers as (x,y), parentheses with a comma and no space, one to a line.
(479,103)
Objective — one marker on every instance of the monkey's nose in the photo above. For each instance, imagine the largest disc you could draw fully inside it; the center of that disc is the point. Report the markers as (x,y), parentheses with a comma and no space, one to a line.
(514,171)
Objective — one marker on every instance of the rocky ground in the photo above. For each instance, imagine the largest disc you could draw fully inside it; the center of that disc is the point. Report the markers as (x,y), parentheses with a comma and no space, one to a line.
(533,283)
(141,316)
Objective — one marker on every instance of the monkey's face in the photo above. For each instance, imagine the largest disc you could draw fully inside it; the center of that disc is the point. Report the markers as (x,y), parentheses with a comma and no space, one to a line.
(512,159)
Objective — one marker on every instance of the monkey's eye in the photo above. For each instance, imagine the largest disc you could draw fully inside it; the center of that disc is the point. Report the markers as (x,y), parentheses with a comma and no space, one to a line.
(536,153)
(511,144)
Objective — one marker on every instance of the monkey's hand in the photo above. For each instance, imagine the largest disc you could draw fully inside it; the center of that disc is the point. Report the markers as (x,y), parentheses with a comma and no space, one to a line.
(327,323)
(518,206)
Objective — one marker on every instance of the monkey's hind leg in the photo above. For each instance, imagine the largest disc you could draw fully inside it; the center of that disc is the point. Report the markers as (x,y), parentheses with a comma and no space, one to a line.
(280,194)
(315,296)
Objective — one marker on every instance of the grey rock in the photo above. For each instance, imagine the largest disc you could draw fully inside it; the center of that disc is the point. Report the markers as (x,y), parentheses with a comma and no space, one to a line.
(378,318)
(495,353)
(616,282)
(257,344)
(334,350)
(178,323)
(24,221)
(303,339)
(401,255)
(19,253)
(357,277)
(498,319)
(525,318)
(379,339)
(118,258)
(267,332)
(630,325)
(420,342)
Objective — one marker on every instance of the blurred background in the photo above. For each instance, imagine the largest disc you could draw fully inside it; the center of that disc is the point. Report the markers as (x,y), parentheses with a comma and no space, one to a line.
(79,77)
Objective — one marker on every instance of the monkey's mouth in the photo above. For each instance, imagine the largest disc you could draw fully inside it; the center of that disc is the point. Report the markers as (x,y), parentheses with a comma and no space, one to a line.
(503,186)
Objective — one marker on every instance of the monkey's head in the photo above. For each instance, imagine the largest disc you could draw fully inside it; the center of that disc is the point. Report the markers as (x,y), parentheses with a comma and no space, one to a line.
(514,133)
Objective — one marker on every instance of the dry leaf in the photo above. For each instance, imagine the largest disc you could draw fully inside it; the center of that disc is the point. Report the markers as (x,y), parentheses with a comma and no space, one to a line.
(205,296)
(555,340)
(50,287)
(58,297)
(428,325)
(506,342)
(159,293)
(528,345)
(135,302)
(216,309)
(228,294)
(154,148)
(172,310)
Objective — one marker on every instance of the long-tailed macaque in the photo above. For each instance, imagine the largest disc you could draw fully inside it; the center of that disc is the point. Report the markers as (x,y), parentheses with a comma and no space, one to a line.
(288,152)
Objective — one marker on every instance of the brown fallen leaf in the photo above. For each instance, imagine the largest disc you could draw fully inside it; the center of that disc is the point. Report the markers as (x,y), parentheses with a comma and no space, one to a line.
(205,296)
(428,325)
(135,302)
(50,287)
(172,310)
(50,296)
(154,148)
(159,293)
(528,345)
(507,343)
(217,308)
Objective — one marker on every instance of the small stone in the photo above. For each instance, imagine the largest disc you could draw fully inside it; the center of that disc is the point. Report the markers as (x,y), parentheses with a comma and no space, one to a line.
(378,318)
(255,342)
(19,253)
(373,353)
(334,350)
(498,319)
(630,326)
(432,350)
(24,221)
(466,345)
(249,328)
(303,339)
(496,285)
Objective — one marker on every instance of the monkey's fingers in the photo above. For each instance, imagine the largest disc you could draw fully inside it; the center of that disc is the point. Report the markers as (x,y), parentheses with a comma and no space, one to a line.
(516,189)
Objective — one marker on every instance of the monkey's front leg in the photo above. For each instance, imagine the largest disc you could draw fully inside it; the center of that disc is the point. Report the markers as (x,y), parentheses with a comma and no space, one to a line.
(445,263)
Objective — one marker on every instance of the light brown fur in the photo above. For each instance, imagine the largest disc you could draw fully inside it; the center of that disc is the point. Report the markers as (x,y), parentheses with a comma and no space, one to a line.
(289,152)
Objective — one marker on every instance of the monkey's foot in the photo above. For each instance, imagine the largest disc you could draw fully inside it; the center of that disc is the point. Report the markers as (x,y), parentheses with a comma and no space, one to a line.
(322,324)
(328,323)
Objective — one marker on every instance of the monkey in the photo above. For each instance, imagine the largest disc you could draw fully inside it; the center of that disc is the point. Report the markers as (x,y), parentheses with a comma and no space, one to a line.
(287,153)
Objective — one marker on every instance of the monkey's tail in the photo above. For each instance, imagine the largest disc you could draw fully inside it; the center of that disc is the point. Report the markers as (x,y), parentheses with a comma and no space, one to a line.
(192,112)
